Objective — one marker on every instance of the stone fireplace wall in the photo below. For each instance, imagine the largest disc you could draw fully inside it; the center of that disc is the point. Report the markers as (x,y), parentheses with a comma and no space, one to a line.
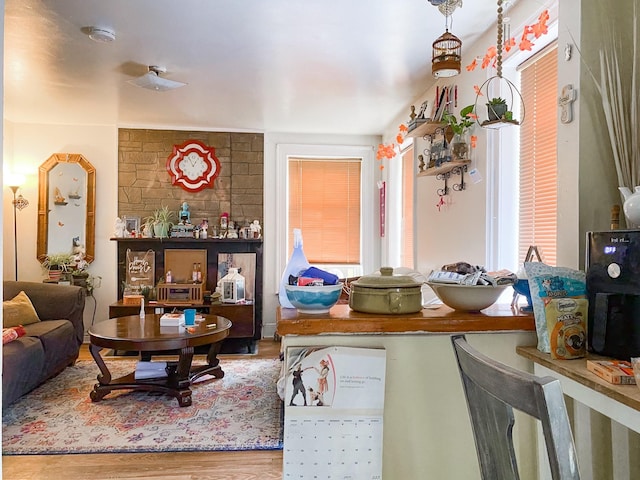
(144,184)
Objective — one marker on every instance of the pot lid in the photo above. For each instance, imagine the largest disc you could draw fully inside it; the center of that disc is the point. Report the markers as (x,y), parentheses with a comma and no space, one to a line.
(386,279)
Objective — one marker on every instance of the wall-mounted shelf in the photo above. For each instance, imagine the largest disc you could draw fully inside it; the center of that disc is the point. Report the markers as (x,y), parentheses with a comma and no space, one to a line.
(499,123)
(444,172)
(444,168)
(429,128)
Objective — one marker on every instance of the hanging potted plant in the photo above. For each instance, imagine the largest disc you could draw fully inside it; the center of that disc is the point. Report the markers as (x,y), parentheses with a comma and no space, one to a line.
(162,221)
(461,128)
(496,108)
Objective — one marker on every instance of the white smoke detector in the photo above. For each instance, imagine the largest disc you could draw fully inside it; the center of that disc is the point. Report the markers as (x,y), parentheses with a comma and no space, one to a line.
(101,35)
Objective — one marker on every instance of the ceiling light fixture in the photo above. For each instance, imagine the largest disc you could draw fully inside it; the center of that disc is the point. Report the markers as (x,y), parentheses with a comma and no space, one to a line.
(153,81)
(447,49)
(101,35)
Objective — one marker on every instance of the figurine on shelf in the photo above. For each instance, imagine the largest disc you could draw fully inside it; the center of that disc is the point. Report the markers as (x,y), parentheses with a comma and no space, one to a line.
(204,227)
(231,231)
(185,215)
(58,199)
(120,228)
(255,229)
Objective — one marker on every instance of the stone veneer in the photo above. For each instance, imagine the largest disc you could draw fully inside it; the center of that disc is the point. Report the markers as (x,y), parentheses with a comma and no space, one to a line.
(144,184)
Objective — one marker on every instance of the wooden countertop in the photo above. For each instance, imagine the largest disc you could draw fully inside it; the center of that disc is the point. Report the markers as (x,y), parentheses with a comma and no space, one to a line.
(342,320)
(577,370)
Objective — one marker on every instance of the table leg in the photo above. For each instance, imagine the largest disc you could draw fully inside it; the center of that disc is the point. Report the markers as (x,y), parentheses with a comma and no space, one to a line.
(176,384)
(213,364)
(104,378)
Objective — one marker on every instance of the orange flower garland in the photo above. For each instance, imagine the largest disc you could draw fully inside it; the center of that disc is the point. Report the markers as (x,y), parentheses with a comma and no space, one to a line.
(537,30)
(388,150)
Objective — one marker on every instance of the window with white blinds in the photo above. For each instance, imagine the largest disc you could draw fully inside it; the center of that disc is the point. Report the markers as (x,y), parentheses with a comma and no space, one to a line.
(324,202)
(538,156)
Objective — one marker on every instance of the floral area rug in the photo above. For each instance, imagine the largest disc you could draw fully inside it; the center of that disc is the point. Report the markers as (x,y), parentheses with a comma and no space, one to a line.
(241,411)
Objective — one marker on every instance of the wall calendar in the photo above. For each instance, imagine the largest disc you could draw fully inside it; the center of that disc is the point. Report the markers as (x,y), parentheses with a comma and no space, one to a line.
(334,404)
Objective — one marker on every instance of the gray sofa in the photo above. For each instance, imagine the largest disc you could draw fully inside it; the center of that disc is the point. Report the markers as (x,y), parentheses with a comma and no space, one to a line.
(50,345)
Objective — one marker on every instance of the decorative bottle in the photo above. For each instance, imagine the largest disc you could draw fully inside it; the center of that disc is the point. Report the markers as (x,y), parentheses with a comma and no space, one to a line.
(297,263)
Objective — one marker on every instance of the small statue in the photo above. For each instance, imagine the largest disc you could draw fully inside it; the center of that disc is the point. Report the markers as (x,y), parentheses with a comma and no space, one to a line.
(255,229)
(412,117)
(120,228)
(58,199)
(185,215)
(422,164)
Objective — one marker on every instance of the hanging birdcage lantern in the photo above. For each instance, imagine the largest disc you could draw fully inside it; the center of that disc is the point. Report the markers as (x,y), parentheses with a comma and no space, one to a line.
(446,56)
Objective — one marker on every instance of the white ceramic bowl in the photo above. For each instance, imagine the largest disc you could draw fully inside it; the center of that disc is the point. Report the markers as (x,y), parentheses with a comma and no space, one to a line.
(468,298)
(313,299)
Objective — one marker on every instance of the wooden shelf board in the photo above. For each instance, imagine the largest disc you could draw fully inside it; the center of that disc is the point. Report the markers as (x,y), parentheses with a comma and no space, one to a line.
(429,128)
(444,168)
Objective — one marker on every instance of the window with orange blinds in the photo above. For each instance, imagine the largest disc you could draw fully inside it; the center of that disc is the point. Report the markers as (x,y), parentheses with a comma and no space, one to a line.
(538,158)
(324,202)
(407,208)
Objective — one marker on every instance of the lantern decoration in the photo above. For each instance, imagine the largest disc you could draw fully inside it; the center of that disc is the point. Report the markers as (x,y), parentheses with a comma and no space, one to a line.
(446,58)
(446,55)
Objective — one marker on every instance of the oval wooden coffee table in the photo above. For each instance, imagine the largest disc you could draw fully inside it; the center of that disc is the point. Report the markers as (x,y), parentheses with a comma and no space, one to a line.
(145,335)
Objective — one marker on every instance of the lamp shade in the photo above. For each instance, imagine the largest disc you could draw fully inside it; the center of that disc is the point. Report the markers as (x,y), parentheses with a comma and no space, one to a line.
(446,57)
(13,179)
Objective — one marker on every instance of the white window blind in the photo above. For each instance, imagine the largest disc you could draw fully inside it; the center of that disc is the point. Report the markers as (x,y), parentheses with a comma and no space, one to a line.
(538,156)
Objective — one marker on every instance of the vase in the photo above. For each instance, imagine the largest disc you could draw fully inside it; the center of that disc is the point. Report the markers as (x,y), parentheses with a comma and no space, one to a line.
(460,146)
(631,206)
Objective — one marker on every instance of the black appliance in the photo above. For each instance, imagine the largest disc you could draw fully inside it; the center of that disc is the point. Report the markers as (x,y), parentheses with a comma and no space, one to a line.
(613,288)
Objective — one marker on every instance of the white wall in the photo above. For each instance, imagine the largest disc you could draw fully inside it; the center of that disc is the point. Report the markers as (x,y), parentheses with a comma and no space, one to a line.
(26,147)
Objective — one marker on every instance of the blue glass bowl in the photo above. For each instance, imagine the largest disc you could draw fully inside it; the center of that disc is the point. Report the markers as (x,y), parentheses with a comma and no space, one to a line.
(313,299)
(522,288)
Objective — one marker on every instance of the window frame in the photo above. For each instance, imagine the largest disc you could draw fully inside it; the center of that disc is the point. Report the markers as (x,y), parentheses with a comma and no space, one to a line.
(503,174)
(369,210)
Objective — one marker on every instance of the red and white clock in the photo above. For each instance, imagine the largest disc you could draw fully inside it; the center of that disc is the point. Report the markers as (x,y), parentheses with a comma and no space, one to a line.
(193,166)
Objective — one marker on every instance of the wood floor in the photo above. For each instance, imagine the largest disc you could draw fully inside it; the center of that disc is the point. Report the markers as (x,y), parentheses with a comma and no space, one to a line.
(263,465)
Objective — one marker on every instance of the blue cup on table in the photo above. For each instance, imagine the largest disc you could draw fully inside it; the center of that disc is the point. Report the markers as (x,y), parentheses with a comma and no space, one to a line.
(190,316)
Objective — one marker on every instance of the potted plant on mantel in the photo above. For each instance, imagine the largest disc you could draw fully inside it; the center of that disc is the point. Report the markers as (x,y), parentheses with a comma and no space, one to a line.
(162,221)
(460,128)
(57,263)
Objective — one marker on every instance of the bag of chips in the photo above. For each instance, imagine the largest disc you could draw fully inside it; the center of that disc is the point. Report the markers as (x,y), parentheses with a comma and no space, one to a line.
(560,307)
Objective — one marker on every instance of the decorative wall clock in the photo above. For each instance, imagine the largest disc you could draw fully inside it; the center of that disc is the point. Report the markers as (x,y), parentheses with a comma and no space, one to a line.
(193,166)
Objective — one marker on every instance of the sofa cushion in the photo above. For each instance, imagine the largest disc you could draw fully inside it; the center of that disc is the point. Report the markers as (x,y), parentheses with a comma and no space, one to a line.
(58,342)
(22,368)
(18,311)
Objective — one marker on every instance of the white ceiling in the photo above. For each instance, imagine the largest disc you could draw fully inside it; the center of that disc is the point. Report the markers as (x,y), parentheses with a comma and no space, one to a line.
(305,66)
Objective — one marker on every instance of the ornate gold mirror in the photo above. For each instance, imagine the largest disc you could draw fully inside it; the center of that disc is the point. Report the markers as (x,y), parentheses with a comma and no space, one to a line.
(66,205)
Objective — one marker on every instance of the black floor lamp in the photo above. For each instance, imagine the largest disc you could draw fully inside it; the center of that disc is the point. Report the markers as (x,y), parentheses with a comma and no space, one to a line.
(19,203)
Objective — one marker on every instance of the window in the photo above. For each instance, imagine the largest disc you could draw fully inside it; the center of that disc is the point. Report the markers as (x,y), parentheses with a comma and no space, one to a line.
(408,174)
(324,202)
(538,158)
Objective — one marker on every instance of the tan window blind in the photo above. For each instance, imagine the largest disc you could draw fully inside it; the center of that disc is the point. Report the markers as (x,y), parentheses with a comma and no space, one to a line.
(407,208)
(538,158)
(324,202)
